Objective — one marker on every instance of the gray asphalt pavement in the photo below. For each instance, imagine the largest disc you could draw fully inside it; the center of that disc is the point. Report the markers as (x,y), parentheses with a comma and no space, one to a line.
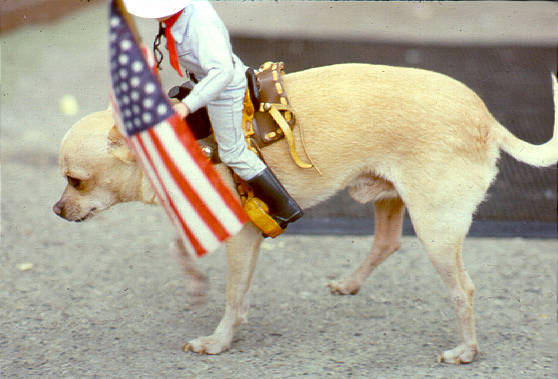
(105,298)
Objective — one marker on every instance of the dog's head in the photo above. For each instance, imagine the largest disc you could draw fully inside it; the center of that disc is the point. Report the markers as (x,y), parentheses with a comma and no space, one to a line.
(99,167)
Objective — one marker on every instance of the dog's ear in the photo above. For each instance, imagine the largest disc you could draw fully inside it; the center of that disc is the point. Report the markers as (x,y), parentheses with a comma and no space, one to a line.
(118,146)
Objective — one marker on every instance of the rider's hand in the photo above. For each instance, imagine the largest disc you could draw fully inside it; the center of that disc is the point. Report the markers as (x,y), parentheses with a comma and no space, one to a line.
(181,109)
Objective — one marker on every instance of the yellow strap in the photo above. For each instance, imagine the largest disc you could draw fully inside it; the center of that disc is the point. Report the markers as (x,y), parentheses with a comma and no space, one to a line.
(274,112)
(265,107)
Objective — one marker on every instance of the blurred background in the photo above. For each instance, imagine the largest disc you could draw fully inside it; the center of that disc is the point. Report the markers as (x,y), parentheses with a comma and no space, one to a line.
(54,71)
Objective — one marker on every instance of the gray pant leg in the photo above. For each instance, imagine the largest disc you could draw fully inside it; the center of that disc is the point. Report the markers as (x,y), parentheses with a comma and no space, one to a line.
(226,118)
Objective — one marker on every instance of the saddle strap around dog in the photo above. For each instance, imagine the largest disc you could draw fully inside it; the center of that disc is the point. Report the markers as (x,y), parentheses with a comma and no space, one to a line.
(272,118)
(273,110)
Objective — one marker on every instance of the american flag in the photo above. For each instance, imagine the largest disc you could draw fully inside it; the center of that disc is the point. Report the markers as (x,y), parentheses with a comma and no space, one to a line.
(203,210)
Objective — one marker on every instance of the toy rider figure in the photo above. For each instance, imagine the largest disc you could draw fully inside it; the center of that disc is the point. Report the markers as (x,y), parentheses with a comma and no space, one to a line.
(198,41)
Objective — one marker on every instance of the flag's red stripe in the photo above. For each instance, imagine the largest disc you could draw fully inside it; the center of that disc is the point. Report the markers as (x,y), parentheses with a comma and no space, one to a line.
(185,136)
(189,192)
(200,250)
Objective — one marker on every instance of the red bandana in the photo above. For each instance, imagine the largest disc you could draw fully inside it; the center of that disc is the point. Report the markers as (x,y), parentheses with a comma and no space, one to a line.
(171,47)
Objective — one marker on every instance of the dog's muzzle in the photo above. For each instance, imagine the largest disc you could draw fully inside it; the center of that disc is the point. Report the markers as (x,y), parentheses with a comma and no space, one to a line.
(60,209)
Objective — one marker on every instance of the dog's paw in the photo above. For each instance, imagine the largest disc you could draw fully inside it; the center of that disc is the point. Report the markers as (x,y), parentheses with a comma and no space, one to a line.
(206,345)
(461,354)
(344,287)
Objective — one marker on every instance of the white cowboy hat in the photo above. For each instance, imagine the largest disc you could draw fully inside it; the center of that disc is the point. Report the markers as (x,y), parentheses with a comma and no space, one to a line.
(155,9)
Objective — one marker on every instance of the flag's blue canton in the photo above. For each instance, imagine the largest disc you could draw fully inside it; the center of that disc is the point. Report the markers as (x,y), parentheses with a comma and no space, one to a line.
(139,97)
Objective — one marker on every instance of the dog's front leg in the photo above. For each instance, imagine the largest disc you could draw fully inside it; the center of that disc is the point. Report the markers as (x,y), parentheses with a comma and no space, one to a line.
(197,281)
(242,255)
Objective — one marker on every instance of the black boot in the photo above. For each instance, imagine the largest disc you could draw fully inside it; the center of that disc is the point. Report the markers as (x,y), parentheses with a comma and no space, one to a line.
(282,207)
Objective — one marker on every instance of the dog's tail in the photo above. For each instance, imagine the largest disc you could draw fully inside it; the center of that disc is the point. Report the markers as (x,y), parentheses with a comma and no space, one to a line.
(536,155)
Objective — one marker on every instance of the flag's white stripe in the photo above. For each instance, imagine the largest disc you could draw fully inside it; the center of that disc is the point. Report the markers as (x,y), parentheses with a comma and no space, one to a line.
(161,195)
(196,224)
(197,179)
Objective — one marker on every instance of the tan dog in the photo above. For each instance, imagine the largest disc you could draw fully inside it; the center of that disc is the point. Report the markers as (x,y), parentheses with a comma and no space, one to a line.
(400,137)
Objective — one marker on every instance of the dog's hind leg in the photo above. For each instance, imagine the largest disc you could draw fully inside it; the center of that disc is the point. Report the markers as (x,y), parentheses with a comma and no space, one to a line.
(443,243)
(388,219)
(242,255)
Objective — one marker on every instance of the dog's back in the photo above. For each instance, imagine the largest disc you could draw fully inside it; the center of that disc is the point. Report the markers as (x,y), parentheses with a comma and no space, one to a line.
(383,120)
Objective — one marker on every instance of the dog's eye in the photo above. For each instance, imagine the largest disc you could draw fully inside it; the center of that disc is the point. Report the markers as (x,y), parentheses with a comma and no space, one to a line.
(73,182)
